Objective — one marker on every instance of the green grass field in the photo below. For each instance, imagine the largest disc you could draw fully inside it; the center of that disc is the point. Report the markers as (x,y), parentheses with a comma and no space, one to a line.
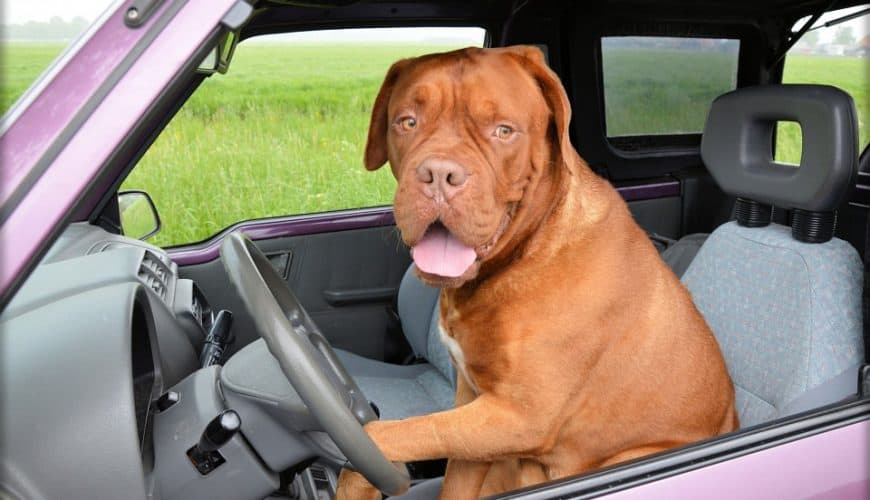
(662,91)
(283,132)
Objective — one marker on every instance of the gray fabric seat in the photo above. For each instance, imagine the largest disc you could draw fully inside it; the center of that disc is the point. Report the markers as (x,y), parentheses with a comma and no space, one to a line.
(399,391)
(679,255)
(402,391)
(784,303)
(787,316)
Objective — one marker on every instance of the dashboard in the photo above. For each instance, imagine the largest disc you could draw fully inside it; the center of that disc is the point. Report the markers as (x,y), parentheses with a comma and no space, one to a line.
(103,395)
(92,339)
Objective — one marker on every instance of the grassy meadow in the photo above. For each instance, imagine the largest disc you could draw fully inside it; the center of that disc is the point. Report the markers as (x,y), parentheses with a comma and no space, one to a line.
(662,91)
(283,132)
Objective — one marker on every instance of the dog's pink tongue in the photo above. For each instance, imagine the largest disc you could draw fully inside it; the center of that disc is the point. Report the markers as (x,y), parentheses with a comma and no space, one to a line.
(439,252)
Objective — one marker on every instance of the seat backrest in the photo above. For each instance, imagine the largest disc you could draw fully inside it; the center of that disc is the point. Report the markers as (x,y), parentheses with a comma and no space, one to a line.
(787,316)
(784,304)
(418,312)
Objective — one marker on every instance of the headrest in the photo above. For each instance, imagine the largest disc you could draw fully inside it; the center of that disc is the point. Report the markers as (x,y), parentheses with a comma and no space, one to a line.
(737,145)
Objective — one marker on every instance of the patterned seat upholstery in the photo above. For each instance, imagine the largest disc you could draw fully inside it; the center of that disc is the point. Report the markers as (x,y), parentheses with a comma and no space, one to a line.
(787,316)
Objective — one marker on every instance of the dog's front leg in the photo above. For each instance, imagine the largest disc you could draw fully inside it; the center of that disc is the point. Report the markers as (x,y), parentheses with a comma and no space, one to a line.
(353,486)
(463,478)
(479,431)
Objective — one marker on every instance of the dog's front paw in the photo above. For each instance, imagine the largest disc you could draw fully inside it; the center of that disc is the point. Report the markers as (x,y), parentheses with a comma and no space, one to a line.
(353,486)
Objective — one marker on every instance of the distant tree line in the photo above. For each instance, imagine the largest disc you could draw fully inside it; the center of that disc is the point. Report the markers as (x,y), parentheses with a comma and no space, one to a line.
(671,43)
(56,29)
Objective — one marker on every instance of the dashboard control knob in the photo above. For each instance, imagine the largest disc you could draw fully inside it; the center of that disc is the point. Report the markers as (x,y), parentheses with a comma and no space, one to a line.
(205,454)
(166,400)
(220,430)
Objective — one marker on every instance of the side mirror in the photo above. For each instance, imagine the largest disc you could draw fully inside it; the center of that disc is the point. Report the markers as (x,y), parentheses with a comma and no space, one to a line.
(139,218)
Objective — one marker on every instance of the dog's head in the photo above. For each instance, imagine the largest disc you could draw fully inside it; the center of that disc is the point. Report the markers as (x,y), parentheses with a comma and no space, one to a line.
(477,139)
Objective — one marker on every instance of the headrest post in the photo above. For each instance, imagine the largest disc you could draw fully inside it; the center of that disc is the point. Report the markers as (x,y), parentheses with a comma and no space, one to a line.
(751,213)
(813,227)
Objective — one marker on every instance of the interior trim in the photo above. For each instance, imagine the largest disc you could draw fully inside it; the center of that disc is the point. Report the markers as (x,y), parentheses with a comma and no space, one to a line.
(326,222)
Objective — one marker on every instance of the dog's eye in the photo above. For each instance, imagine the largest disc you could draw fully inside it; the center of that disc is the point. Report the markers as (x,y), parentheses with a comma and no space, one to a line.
(502,132)
(408,123)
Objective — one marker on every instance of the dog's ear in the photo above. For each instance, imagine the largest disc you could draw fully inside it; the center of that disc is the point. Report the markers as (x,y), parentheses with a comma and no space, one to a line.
(376,145)
(532,60)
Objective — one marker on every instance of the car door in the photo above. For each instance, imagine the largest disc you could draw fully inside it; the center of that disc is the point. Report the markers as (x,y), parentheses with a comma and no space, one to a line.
(821,454)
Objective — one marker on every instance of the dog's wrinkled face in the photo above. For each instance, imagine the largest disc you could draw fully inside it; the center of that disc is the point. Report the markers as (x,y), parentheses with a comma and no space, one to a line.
(469,135)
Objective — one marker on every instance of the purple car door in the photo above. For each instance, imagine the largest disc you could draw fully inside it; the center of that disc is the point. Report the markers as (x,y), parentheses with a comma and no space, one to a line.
(833,465)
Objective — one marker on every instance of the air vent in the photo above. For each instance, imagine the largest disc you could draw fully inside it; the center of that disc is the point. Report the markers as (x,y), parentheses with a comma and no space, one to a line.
(324,481)
(319,475)
(154,274)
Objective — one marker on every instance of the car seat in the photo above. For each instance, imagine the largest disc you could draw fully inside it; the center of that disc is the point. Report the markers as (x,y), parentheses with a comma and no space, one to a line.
(784,302)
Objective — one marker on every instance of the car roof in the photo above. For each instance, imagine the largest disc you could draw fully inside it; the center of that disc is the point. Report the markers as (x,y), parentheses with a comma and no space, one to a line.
(290,15)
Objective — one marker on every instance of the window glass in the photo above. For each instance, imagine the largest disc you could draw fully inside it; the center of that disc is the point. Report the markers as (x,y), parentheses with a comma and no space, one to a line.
(664,85)
(835,55)
(282,132)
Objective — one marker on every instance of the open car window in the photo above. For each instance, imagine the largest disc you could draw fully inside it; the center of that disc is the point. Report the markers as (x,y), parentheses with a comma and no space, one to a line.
(281,133)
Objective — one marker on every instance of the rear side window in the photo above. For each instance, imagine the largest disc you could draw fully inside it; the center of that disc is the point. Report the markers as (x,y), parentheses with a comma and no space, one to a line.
(664,85)
(829,55)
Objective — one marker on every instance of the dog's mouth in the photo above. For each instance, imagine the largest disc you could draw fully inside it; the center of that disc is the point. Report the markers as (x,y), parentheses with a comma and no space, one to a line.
(440,253)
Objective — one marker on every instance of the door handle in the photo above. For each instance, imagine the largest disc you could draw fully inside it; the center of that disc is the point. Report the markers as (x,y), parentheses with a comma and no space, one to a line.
(359,295)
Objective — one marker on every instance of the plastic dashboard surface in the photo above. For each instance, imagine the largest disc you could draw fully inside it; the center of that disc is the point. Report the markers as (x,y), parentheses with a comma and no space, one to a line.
(93,337)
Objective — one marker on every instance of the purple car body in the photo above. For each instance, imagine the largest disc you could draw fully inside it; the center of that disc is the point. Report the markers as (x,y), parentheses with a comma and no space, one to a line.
(57,154)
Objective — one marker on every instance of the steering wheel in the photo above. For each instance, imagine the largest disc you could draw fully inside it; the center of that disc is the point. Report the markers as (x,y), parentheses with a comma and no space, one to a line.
(308,362)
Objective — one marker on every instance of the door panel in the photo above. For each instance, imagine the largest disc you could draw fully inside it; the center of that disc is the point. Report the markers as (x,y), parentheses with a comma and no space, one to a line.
(690,202)
(347,281)
(660,216)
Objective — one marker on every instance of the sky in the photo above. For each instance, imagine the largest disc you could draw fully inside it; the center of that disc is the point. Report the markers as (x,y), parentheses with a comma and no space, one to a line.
(21,11)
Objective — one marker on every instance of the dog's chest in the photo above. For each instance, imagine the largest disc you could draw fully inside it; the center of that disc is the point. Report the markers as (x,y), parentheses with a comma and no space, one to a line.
(455,350)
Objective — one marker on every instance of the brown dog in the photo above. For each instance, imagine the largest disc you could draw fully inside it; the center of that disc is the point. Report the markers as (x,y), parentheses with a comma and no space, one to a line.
(576,347)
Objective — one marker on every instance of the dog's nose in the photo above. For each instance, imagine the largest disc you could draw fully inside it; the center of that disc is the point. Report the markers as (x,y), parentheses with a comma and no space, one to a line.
(441,176)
